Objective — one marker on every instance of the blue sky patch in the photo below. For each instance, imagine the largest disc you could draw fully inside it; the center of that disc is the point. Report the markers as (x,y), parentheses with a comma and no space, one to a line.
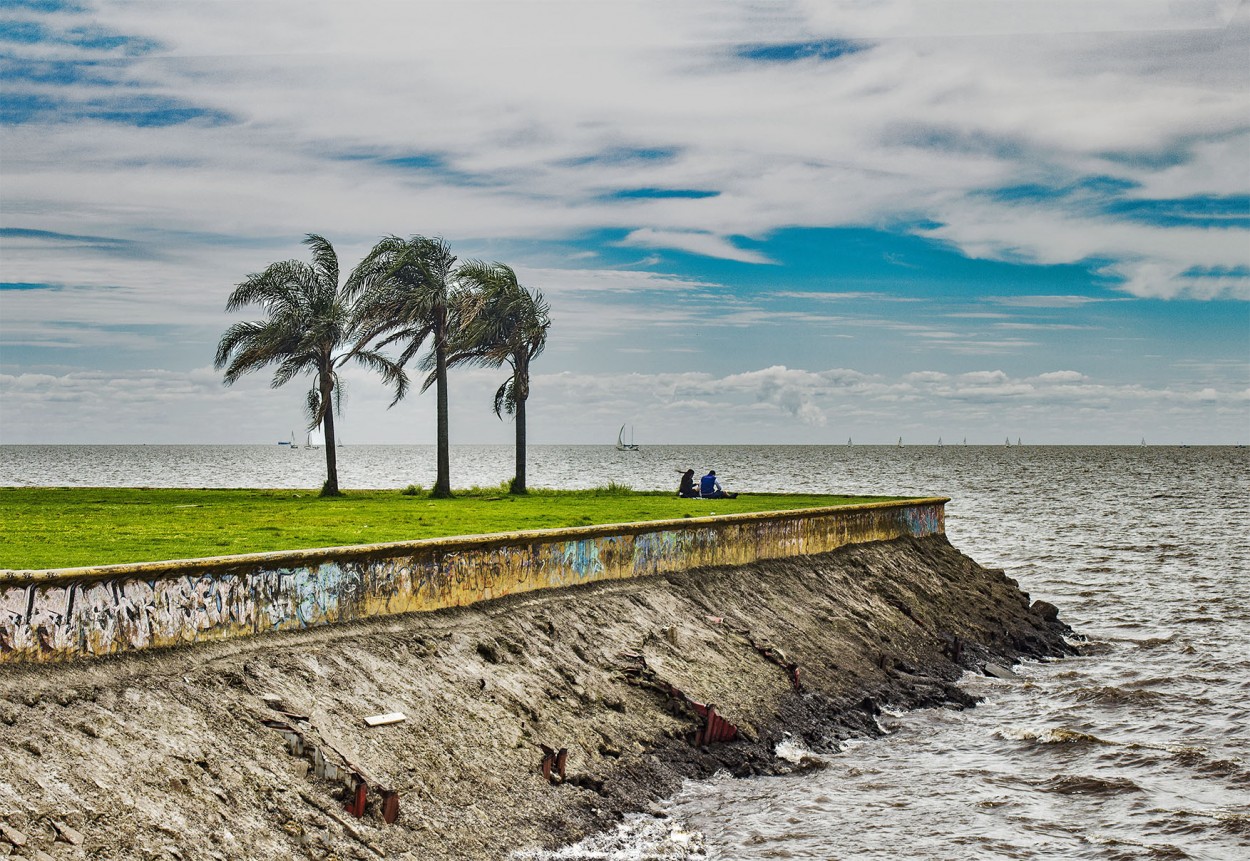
(661,193)
(623,155)
(26,233)
(1092,186)
(141,111)
(790,52)
(1217,212)
(25,285)
(1217,272)
(90,38)
(60,72)
(46,5)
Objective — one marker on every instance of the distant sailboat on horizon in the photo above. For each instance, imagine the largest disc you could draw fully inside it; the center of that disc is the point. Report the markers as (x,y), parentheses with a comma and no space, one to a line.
(939,442)
(900,442)
(621,445)
(848,442)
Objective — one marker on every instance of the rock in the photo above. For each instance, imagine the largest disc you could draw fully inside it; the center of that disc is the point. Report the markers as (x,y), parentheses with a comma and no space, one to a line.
(997,672)
(12,835)
(68,834)
(1046,610)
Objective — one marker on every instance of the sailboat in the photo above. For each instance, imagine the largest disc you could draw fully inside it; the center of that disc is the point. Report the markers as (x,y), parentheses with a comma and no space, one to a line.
(621,445)
(292,443)
(965,440)
(308,443)
(1007,442)
(900,442)
(1018,441)
(939,442)
(848,442)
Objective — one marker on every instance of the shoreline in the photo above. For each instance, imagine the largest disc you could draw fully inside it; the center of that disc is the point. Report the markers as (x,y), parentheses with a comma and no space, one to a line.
(482,687)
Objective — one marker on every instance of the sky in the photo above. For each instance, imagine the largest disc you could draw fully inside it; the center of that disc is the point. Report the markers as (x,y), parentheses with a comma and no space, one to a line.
(772,222)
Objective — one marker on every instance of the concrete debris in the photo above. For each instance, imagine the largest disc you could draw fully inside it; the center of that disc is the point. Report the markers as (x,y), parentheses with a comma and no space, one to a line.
(69,835)
(778,657)
(385,719)
(348,773)
(712,729)
(997,672)
(12,835)
(554,763)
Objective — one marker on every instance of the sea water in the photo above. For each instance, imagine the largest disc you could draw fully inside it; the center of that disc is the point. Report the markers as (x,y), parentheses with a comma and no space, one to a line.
(1137,749)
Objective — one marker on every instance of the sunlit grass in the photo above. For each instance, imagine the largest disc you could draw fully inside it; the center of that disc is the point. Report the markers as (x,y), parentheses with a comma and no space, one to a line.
(70,527)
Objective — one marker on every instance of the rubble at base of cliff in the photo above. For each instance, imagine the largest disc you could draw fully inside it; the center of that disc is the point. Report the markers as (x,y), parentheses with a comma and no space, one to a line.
(514,724)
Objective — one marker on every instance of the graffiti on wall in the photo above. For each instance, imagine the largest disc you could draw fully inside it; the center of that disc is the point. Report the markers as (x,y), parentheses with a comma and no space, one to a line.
(117,609)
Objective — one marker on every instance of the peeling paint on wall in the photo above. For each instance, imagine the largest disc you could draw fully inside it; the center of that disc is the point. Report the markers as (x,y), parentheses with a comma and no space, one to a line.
(81,612)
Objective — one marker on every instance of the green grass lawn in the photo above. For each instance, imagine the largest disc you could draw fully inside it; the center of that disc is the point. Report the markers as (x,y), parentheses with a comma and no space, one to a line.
(71,527)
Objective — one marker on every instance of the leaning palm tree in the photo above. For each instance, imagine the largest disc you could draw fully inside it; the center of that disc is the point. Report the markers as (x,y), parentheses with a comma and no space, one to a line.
(309,329)
(403,290)
(501,322)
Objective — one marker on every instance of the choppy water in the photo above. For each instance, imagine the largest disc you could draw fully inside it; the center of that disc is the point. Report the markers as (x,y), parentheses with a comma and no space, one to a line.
(1138,750)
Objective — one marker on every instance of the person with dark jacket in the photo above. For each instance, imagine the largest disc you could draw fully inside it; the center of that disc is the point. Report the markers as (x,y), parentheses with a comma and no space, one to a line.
(686,489)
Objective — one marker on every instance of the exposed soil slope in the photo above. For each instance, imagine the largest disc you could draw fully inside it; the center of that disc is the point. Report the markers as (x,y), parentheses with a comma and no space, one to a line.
(165,754)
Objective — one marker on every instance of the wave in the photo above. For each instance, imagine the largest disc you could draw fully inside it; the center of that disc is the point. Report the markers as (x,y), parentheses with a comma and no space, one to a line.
(1109,695)
(1058,735)
(1080,784)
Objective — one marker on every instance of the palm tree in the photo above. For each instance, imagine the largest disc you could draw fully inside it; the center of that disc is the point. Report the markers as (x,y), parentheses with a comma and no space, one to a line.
(502,322)
(309,328)
(404,289)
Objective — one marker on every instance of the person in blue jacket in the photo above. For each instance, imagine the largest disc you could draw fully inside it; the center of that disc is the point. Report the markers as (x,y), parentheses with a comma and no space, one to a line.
(709,487)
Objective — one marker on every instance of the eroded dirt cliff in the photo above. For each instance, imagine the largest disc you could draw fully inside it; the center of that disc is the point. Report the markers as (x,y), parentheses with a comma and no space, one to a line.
(168,755)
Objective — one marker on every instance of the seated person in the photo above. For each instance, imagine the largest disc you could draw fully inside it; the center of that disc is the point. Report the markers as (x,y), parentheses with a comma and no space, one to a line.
(709,487)
(686,489)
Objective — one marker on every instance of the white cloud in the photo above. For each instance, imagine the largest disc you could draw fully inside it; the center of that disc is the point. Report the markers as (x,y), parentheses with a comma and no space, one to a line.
(694,242)
(774,404)
(356,120)
(1062,377)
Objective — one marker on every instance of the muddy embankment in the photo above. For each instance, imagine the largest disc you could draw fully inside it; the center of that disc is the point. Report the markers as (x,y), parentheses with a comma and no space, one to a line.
(168,754)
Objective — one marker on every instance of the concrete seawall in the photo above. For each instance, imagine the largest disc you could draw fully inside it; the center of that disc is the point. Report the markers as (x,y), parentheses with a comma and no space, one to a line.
(70,613)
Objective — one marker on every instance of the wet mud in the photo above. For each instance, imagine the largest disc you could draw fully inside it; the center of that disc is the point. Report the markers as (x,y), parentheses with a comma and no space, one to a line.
(527,722)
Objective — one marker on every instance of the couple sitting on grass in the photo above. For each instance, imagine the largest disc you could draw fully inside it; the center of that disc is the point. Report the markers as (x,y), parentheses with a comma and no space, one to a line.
(709,487)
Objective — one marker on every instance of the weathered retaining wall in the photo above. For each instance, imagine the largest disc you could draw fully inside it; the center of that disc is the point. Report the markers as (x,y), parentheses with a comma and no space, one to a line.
(75,612)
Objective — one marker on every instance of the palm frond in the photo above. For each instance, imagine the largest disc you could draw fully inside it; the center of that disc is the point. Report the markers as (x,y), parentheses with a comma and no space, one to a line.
(280,286)
(325,260)
(392,372)
(338,387)
(504,398)
(313,408)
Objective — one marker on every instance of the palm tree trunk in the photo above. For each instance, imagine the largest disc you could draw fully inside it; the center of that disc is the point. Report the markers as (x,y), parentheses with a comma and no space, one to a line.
(518,483)
(442,485)
(331,487)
